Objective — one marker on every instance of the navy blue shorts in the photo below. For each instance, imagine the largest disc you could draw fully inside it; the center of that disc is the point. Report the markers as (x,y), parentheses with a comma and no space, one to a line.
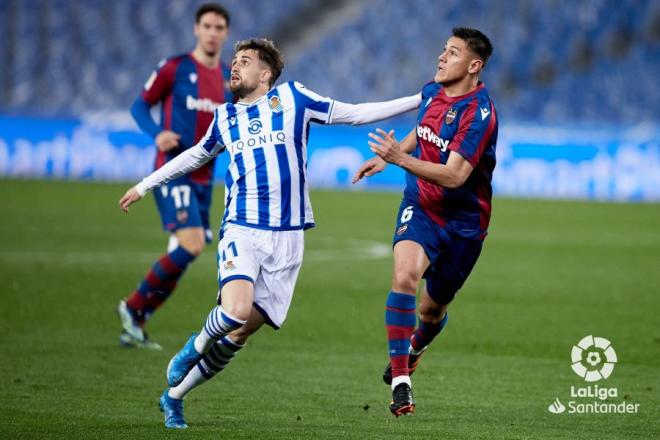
(452,257)
(183,204)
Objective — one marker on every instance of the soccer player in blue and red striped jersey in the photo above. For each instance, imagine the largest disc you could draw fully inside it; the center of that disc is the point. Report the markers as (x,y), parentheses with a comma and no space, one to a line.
(449,160)
(189,88)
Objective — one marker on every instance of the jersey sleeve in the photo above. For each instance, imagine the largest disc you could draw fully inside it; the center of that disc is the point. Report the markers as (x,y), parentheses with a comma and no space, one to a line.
(475,129)
(160,82)
(319,107)
(211,142)
(369,112)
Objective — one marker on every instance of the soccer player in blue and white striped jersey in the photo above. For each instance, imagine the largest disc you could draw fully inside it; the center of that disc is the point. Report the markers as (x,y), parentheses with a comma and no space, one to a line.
(267,206)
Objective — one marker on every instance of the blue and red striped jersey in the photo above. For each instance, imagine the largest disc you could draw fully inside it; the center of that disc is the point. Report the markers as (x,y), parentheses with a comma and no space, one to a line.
(466,125)
(189,93)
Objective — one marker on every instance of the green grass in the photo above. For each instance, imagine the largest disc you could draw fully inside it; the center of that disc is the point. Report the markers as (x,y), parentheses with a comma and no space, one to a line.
(550,273)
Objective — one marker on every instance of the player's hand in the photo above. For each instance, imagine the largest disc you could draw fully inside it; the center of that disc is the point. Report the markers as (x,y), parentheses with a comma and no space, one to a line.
(373,166)
(386,146)
(167,140)
(131,196)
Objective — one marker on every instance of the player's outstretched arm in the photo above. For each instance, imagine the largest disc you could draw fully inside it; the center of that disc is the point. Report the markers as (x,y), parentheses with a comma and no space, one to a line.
(191,159)
(377,164)
(366,113)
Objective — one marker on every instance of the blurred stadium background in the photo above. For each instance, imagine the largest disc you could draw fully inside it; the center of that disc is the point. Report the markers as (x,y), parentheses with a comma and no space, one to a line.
(576,85)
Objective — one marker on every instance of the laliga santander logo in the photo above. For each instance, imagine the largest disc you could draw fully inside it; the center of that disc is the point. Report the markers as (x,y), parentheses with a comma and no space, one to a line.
(593,358)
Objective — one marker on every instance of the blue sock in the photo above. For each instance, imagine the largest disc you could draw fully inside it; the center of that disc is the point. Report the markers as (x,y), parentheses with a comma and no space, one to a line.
(426,332)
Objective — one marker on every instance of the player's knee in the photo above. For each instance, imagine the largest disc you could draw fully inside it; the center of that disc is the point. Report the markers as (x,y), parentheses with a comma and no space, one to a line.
(238,311)
(241,335)
(195,246)
(405,281)
(432,314)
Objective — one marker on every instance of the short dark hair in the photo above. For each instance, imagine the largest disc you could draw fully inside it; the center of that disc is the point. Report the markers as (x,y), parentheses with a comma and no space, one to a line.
(211,7)
(268,54)
(476,41)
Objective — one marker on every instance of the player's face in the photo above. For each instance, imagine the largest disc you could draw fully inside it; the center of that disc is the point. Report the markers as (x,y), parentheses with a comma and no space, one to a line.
(211,32)
(247,72)
(456,62)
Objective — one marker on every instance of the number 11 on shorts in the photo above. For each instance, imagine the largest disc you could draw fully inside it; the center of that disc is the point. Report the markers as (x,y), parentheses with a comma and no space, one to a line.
(230,247)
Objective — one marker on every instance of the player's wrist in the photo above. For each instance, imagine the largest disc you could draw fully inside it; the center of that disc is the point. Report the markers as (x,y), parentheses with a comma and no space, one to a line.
(141,189)
(401,159)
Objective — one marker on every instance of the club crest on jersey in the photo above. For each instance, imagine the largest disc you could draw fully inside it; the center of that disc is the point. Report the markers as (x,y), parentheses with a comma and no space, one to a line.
(229,265)
(451,115)
(193,77)
(275,104)
(182,216)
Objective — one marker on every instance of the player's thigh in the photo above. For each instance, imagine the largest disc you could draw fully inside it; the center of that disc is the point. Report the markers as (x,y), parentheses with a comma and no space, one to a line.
(417,242)
(236,298)
(450,271)
(178,205)
(276,283)
(410,262)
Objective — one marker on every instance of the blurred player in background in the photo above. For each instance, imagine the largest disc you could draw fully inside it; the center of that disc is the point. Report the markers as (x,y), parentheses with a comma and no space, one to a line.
(188,87)
(267,207)
(444,215)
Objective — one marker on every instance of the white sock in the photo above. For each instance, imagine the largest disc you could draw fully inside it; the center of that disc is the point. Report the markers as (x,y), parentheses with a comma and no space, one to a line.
(193,379)
(172,244)
(400,379)
(203,342)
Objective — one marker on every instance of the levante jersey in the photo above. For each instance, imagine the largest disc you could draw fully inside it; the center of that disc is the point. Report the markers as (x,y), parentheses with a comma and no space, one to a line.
(189,93)
(266,180)
(466,125)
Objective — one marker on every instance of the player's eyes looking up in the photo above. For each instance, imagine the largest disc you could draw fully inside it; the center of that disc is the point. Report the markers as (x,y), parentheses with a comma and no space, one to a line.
(243,61)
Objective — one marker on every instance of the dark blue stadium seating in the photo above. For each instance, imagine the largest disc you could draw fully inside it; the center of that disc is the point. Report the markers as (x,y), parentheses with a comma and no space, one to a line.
(555,61)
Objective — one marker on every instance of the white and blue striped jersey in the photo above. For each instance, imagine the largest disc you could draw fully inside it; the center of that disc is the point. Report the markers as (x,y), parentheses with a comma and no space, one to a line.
(266,183)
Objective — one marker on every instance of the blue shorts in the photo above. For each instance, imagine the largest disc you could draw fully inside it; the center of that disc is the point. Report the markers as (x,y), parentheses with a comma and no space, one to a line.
(452,257)
(184,204)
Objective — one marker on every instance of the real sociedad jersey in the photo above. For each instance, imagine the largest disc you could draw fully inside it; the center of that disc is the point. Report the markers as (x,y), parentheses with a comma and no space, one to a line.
(189,92)
(466,125)
(266,183)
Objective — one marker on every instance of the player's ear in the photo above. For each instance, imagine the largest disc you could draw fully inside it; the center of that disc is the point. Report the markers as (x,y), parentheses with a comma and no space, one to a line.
(266,75)
(475,66)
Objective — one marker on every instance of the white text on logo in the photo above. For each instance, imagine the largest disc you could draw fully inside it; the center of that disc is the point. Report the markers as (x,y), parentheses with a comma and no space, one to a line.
(424,132)
(204,104)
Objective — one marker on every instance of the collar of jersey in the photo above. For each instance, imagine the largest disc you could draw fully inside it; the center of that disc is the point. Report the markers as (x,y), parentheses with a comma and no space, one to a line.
(255,102)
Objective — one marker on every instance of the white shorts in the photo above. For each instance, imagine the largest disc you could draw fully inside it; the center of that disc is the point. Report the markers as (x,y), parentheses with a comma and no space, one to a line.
(270,259)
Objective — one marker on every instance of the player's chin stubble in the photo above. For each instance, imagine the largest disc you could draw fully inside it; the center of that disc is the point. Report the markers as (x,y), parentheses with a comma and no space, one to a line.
(240,90)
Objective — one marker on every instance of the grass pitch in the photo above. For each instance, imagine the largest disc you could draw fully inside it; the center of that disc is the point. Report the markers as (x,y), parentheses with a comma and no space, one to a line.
(550,273)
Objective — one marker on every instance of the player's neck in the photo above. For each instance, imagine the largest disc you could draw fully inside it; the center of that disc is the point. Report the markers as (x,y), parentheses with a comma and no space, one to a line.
(462,87)
(210,61)
(254,95)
